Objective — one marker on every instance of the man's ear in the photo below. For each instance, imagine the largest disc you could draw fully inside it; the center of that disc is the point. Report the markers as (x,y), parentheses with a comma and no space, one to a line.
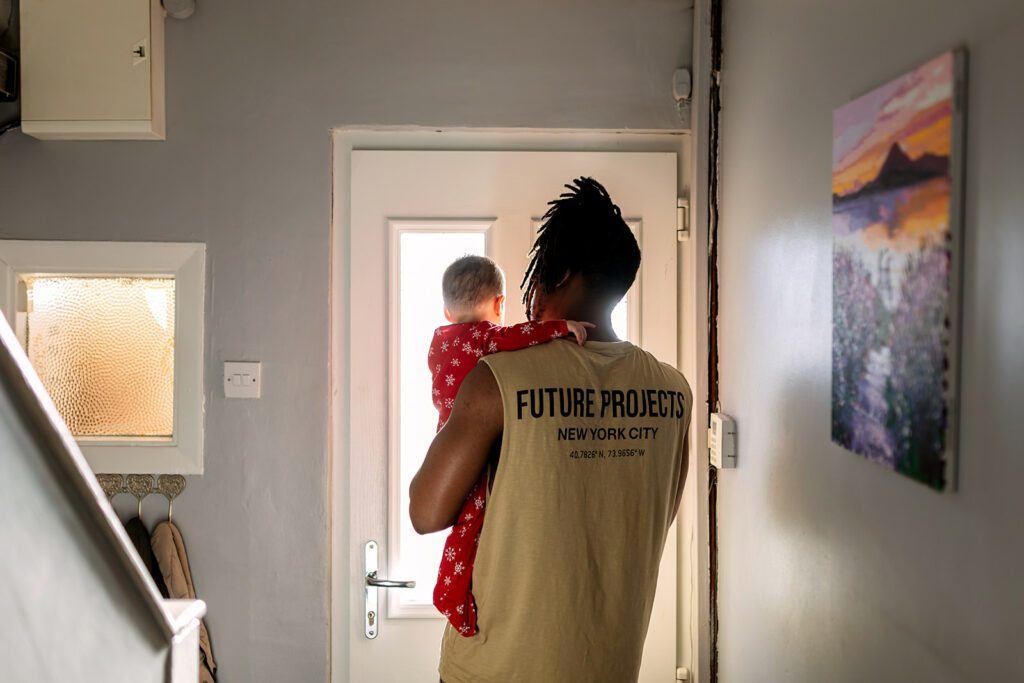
(499,305)
(448,315)
(565,278)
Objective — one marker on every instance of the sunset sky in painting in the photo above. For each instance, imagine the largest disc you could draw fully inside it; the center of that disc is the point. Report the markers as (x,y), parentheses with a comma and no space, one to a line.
(914,110)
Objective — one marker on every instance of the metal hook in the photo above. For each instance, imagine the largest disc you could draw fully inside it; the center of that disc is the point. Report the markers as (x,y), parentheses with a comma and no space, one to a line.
(112,484)
(140,486)
(170,486)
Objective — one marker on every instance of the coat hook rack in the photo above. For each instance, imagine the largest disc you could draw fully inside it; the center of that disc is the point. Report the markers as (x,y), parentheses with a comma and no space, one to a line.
(140,486)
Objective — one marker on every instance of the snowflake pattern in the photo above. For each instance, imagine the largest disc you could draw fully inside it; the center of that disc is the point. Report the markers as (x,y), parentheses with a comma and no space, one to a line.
(451,357)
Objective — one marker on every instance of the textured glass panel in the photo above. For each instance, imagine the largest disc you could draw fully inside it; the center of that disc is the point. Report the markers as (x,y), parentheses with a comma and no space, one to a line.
(104,349)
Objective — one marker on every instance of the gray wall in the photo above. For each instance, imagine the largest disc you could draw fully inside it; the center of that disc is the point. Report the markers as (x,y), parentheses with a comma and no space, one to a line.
(834,569)
(252,90)
(62,590)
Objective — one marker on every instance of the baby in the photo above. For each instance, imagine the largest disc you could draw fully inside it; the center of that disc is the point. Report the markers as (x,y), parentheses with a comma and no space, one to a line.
(474,301)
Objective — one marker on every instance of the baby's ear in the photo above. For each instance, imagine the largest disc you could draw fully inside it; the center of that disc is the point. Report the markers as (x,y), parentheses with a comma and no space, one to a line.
(448,315)
(499,305)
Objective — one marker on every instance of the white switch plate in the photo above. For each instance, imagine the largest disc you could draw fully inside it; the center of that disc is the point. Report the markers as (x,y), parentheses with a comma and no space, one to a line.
(722,441)
(241,379)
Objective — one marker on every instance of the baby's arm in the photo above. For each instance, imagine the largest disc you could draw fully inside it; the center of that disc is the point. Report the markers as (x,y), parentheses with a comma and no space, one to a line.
(515,337)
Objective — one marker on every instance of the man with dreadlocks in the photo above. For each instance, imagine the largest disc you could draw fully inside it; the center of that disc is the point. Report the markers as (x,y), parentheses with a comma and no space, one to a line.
(587,450)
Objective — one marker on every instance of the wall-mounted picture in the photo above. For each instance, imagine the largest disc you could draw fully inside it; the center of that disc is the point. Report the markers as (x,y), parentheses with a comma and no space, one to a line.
(896,179)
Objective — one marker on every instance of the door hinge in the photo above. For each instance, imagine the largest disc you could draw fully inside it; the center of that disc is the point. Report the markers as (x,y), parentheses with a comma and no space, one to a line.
(682,219)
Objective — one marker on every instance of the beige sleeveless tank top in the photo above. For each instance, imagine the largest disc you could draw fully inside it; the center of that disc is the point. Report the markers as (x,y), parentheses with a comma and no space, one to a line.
(581,503)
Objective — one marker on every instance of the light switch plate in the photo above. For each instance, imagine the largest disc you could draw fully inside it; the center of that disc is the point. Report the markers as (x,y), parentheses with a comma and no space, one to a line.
(241,379)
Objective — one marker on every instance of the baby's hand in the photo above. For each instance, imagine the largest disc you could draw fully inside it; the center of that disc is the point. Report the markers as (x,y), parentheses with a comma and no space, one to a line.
(579,329)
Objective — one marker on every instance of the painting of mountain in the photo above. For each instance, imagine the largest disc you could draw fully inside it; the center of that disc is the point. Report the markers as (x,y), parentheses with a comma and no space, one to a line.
(896,156)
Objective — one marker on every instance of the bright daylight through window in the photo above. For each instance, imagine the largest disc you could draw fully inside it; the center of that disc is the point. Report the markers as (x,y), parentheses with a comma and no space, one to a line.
(423,256)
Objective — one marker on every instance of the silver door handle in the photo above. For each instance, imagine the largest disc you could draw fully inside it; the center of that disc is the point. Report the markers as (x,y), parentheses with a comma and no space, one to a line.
(372,580)
(371,612)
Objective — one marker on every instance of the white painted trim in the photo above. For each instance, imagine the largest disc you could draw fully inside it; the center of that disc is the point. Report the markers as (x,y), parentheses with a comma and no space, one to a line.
(186,263)
(695,633)
(396,610)
(345,577)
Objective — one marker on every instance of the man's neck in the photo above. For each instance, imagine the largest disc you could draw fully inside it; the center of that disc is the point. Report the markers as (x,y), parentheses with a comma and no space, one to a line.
(603,331)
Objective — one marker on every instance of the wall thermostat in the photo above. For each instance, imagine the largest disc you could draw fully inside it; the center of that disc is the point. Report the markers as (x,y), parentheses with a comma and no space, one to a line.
(722,441)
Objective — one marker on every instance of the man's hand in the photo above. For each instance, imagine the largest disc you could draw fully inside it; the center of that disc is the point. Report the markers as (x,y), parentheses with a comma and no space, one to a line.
(457,456)
(579,330)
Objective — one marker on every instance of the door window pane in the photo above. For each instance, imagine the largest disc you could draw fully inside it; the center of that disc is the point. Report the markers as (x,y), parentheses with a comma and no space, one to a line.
(422,259)
(104,349)
(620,319)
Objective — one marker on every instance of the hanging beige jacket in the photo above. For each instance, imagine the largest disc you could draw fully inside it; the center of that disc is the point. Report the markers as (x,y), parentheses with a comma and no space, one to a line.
(169,549)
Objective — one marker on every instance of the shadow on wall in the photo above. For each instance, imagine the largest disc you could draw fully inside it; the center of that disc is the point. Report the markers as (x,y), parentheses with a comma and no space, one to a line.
(837,522)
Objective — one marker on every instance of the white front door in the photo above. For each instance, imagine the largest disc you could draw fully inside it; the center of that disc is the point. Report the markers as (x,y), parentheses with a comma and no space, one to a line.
(412,213)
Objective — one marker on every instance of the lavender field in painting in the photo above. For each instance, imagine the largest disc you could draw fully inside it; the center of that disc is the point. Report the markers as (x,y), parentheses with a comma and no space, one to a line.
(892,284)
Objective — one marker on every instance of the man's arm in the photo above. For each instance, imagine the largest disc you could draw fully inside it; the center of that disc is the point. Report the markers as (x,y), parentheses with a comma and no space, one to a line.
(458,453)
(682,472)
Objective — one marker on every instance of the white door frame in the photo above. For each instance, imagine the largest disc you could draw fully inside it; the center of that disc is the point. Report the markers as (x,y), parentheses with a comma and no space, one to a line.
(692,651)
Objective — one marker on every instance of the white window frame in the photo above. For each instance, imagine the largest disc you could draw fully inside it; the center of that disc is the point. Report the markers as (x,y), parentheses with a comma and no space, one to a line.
(396,227)
(186,263)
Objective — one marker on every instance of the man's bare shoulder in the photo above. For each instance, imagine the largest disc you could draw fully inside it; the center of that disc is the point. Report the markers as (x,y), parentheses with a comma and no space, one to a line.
(479,395)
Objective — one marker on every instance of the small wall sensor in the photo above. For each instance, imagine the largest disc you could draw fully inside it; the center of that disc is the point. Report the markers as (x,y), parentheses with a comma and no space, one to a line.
(682,86)
(179,9)
(722,441)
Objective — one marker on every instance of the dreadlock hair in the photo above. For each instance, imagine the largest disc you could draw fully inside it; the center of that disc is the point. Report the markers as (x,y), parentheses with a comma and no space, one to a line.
(583,233)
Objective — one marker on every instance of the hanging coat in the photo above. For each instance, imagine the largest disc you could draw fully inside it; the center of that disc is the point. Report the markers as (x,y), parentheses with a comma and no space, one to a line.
(169,549)
(143,545)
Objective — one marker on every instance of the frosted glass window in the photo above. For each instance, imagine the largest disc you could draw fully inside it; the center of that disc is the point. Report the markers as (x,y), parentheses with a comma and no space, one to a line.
(422,259)
(104,349)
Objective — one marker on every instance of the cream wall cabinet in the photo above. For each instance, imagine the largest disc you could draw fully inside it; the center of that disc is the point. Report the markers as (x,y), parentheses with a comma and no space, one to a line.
(93,69)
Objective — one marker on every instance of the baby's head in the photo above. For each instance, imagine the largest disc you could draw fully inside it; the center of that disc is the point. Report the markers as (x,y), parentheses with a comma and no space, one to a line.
(474,289)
